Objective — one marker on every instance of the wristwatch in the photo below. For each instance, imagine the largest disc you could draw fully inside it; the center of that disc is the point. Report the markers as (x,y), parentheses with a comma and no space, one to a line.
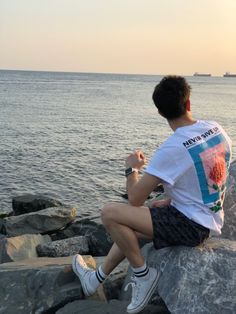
(130,170)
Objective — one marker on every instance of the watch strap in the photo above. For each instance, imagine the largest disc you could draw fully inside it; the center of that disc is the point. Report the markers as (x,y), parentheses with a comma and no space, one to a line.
(130,170)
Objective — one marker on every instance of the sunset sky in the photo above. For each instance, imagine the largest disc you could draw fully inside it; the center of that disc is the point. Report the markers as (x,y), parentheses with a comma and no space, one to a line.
(119,36)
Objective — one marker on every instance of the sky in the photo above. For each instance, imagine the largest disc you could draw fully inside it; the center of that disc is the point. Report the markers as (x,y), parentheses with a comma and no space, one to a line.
(119,36)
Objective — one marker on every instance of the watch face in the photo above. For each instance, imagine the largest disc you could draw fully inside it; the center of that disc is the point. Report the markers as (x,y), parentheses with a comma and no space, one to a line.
(129,171)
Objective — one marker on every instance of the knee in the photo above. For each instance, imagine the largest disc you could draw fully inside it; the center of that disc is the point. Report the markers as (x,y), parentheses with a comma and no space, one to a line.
(108,214)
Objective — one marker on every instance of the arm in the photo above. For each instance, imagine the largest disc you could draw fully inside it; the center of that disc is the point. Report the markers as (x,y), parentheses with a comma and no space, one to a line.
(138,189)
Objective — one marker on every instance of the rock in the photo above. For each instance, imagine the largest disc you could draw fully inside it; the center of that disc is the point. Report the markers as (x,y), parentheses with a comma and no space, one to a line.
(66,247)
(21,247)
(43,221)
(31,203)
(82,227)
(99,240)
(41,285)
(77,227)
(2,236)
(229,228)
(230,195)
(98,307)
(2,222)
(5,213)
(232,169)
(201,279)
(93,307)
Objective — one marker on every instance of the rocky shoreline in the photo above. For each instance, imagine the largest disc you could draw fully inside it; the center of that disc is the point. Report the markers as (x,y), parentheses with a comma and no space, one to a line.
(39,237)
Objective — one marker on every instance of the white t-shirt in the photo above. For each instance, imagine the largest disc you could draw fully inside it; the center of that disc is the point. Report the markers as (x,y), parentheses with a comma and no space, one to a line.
(193,165)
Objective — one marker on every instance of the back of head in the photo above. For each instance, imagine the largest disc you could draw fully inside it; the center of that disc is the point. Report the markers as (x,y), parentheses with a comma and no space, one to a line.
(171,95)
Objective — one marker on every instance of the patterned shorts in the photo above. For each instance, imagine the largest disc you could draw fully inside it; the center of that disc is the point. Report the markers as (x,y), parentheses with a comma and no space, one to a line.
(171,227)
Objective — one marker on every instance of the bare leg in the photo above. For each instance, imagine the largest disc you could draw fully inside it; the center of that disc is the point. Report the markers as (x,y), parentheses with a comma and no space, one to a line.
(113,259)
(126,224)
(115,256)
(122,221)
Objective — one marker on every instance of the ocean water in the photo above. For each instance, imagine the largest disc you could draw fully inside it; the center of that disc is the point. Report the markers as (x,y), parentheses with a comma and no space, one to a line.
(66,135)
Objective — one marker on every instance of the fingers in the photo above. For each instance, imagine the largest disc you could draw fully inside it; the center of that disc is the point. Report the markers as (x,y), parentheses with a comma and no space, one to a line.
(136,159)
(141,156)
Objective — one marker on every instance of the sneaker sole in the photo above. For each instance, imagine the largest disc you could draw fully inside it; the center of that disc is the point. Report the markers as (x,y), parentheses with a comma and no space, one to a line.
(148,296)
(74,262)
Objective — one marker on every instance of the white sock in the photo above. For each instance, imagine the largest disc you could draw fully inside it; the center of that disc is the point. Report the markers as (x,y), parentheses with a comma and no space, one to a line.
(141,273)
(97,277)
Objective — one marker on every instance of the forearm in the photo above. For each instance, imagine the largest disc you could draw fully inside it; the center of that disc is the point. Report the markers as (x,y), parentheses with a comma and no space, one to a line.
(138,188)
(131,181)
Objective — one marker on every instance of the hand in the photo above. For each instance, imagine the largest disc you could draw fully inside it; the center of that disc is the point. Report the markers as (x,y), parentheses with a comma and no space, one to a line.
(136,160)
(160,203)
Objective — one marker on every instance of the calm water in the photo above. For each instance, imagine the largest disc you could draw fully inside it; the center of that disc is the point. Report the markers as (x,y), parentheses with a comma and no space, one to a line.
(66,135)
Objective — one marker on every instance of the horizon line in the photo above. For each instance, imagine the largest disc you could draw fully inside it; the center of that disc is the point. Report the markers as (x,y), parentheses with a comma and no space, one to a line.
(109,73)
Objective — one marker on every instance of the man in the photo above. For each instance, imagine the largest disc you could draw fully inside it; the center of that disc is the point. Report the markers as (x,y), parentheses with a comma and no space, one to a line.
(192,164)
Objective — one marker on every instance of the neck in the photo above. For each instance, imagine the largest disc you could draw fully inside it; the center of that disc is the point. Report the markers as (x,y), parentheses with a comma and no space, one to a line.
(184,120)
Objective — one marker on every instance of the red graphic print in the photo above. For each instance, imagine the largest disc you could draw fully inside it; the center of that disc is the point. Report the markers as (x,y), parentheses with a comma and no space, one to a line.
(218,172)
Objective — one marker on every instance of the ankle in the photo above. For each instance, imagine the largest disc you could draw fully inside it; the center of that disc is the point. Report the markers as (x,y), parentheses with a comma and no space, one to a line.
(141,273)
(101,276)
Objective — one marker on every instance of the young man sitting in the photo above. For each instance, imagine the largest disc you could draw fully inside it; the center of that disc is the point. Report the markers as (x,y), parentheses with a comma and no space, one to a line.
(192,164)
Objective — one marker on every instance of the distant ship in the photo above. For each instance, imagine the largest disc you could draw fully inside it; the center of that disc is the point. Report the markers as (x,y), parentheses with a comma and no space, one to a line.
(227,74)
(201,74)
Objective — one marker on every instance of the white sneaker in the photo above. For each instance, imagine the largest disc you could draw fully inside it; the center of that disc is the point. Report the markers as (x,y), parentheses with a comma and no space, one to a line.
(142,291)
(81,269)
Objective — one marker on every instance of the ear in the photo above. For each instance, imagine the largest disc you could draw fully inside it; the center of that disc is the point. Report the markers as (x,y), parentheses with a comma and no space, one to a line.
(188,105)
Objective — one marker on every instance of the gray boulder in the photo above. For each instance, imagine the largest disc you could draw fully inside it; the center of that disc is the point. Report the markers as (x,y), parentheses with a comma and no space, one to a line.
(2,236)
(41,285)
(230,196)
(66,247)
(99,307)
(78,227)
(229,228)
(2,229)
(21,247)
(5,213)
(30,203)
(99,240)
(43,221)
(93,307)
(232,169)
(196,280)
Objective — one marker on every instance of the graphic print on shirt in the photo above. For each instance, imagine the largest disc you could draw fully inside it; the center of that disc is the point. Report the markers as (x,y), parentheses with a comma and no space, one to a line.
(211,159)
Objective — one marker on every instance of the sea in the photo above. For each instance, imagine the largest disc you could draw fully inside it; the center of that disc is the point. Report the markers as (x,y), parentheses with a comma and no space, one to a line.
(66,135)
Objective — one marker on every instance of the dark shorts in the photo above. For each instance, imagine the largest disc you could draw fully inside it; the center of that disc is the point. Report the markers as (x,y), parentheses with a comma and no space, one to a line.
(171,227)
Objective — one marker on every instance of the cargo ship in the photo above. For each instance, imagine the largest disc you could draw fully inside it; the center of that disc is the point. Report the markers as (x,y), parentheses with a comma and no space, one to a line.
(201,74)
(228,74)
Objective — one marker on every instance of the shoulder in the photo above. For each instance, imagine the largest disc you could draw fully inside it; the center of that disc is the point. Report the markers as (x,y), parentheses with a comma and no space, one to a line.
(171,142)
(171,150)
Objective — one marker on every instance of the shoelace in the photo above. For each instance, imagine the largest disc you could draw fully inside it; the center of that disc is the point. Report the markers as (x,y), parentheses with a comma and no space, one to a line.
(135,289)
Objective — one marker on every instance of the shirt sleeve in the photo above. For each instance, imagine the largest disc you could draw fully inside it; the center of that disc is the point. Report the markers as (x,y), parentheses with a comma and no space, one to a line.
(164,165)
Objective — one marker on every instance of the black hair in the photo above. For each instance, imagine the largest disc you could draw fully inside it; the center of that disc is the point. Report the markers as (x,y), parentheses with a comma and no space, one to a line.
(170,96)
